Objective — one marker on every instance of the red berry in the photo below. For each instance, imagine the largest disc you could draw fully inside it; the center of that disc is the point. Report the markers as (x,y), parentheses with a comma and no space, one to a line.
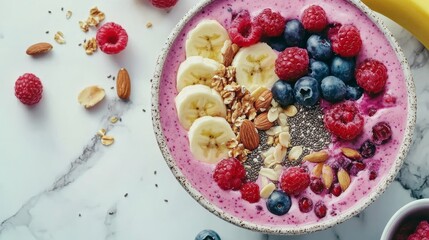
(389,100)
(371,75)
(344,120)
(316,185)
(294,180)
(292,63)
(243,32)
(372,175)
(229,174)
(28,89)
(305,204)
(320,209)
(372,111)
(163,3)
(272,23)
(112,38)
(250,192)
(381,133)
(346,42)
(422,231)
(336,189)
(314,19)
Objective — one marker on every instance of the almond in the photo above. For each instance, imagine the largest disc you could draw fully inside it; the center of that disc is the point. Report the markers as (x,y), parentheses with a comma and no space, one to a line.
(317,170)
(123,84)
(295,153)
(228,51)
(351,153)
(327,176)
(263,102)
(343,179)
(262,123)
(317,157)
(39,48)
(249,135)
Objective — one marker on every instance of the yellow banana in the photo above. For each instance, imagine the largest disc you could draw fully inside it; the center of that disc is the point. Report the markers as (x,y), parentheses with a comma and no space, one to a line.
(413,15)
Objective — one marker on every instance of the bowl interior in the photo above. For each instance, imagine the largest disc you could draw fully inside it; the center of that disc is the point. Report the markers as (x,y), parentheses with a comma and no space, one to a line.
(173,142)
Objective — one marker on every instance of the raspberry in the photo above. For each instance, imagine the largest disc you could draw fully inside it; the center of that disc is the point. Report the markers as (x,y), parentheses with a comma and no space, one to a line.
(371,75)
(112,38)
(229,174)
(28,89)
(250,192)
(317,185)
(381,133)
(243,32)
(336,190)
(344,120)
(345,40)
(163,3)
(422,231)
(314,19)
(294,180)
(272,23)
(305,204)
(320,209)
(292,63)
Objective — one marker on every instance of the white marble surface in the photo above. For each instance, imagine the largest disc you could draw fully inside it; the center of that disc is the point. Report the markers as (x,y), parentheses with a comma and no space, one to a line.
(58,182)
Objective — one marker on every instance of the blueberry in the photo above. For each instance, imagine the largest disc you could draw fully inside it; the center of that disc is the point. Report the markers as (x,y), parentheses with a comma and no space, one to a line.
(353,93)
(277,43)
(343,68)
(279,203)
(307,91)
(319,48)
(283,93)
(318,70)
(333,89)
(207,235)
(294,33)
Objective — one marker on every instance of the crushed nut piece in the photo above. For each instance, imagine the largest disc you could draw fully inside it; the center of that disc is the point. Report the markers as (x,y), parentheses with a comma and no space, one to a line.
(101,132)
(107,140)
(95,17)
(84,26)
(114,119)
(59,37)
(148,25)
(90,46)
(68,14)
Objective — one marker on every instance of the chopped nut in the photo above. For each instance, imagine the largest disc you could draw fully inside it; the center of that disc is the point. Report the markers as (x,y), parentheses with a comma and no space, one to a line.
(274,131)
(107,140)
(95,17)
(269,152)
(295,153)
(68,14)
(101,132)
(90,46)
(59,38)
(270,140)
(269,173)
(317,170)
(84,26)
(282,119)
(148,25)
(90,96)
(291,111)
(284,139)
(267,190)
(273,114)
(279,153)
(114,119)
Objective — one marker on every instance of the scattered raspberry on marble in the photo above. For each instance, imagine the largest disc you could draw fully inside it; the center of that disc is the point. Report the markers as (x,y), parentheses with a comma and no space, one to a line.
(28,89)
(229,174)
(112,38)
(250,192)
(371,75)
(294,180)
(272,23)
(344,120)
(243,31)
(163,3)
(292,63)
(346,42)
(314,19)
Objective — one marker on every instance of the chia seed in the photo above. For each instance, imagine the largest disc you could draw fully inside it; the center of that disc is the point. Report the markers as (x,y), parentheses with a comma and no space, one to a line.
(254,160)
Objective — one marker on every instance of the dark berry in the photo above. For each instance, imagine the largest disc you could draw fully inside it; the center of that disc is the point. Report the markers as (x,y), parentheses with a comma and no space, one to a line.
(272,23)
(381,133)
(320,209)
(389,100)
(344,120)
(319,48)
(277,43)
(243,31)
(372,175)
(292,64)
(207,235)
(343,68)
(344,163)
(279,203)
(333,89)
(346,42)
(28,89)
(294,180)
(250,192)
(357,167)
(307,91)
(353,93)
(305,204)
(112,38)
(372,111)
(283,93)
(318,70)
(371,75)
(367,149)
(294,33)
(316,185)
(336,189)
(229,174)
(314,19)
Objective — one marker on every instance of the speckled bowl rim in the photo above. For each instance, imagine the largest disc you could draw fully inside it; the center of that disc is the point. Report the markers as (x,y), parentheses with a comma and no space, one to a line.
(285,230)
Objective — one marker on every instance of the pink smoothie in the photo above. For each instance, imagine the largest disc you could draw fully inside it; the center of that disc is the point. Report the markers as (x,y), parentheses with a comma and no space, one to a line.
(375,45)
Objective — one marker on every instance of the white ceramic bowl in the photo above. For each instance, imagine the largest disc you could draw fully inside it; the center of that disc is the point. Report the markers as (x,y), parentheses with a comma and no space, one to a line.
(415,209)
(385,180)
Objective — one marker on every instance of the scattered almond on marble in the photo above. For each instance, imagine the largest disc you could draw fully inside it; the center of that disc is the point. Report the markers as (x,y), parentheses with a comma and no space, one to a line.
(59,37)
(90,46)
(68,14)
(123,84)
(114,119)
(107,140)
(39,48)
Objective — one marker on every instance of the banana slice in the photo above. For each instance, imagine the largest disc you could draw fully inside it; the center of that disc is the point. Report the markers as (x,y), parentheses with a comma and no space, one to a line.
(255,66)
(197,101)
(206,40)
(207,138)
(197,70)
